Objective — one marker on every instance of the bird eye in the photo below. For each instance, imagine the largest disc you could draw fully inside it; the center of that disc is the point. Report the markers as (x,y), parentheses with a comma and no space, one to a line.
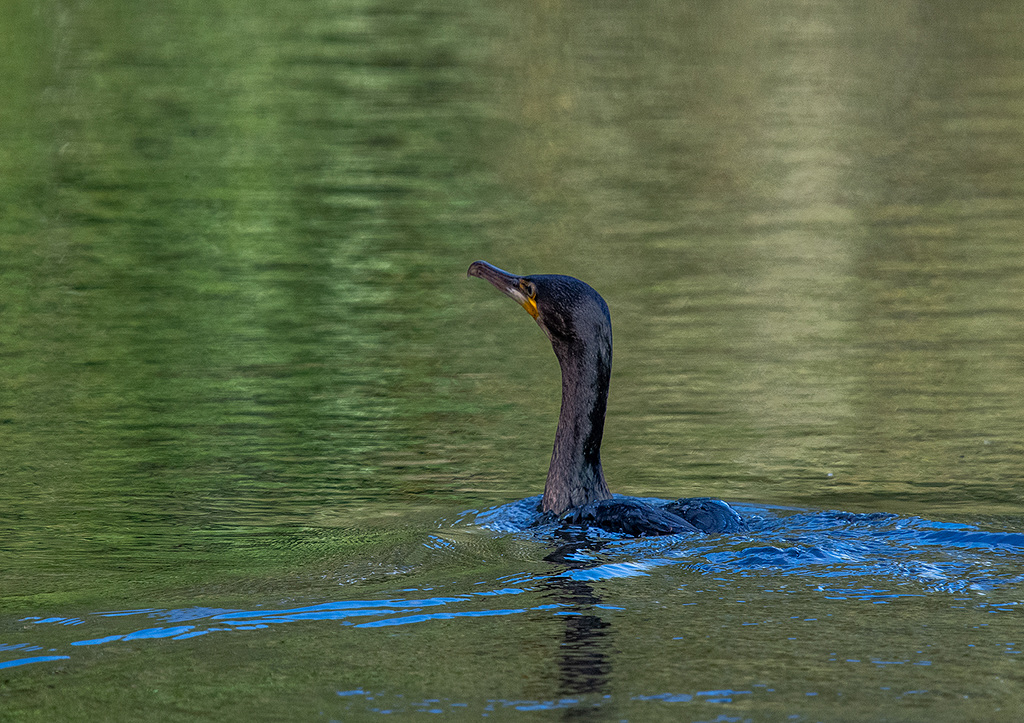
(529,289)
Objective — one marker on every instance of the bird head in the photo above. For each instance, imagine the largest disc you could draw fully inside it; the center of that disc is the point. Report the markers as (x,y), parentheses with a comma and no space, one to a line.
(568,310)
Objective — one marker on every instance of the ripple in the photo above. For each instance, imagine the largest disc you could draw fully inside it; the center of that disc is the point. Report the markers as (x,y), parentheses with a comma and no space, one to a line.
(941,556)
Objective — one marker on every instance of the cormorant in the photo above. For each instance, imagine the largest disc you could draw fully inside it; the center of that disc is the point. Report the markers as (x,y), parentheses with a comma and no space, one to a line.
(577,322)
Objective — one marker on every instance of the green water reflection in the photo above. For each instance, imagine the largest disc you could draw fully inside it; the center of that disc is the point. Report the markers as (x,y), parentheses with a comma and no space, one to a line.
(236,340)
(234,245)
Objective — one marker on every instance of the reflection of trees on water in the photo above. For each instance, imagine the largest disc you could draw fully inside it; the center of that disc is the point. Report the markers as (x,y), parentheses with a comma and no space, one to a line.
(584,664)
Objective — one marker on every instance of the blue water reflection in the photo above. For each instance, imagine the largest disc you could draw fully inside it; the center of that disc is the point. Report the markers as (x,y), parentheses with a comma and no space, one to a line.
(874,558)
(27,661)
(385,703)
(837,546)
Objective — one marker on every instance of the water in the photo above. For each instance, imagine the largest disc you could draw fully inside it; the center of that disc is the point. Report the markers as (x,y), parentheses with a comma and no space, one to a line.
(884,615)
(259,433)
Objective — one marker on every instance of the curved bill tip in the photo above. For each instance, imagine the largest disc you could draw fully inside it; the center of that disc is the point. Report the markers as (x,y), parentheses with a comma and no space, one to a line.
(489,272)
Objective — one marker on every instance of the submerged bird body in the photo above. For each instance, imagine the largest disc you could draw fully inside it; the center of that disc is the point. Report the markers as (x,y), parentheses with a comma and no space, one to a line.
(578,324)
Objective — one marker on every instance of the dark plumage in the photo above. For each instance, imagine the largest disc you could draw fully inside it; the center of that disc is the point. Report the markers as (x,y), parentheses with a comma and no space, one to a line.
(576,320)
(707,514)
(628,516)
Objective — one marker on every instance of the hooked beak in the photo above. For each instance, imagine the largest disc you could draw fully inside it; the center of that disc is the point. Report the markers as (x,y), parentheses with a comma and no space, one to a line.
(515,287)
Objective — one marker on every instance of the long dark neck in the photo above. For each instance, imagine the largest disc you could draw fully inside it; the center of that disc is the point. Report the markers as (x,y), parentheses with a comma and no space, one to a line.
(575,476)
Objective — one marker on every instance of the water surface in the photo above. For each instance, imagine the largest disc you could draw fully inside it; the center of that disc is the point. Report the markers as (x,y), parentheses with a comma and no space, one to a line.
(253,416)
